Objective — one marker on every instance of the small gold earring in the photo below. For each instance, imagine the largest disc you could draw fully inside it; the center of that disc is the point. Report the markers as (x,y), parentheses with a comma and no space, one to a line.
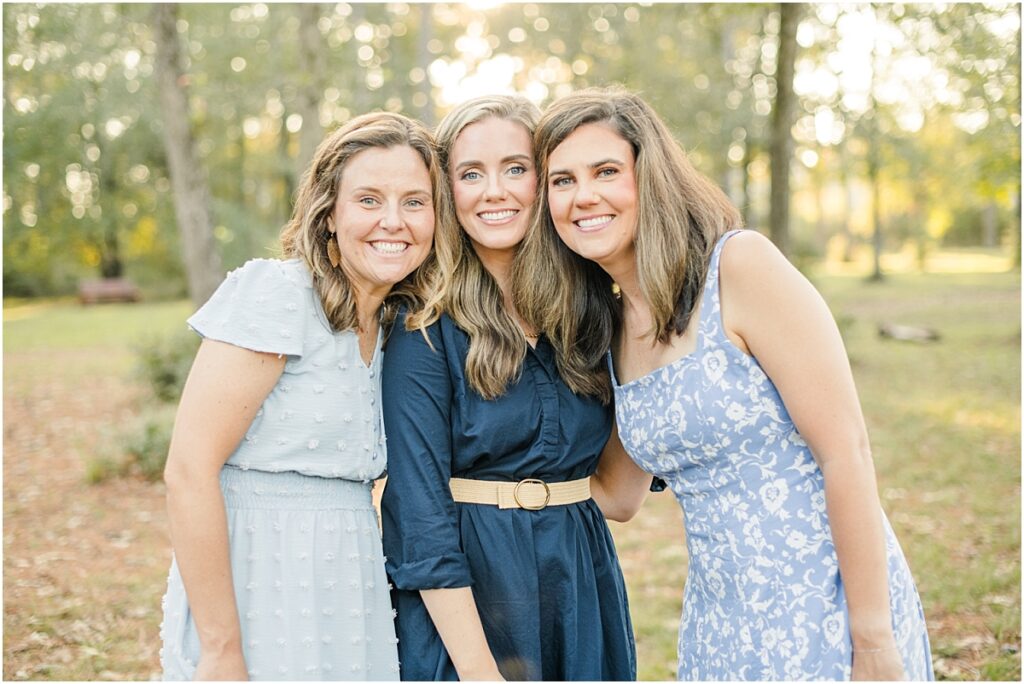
(333,252)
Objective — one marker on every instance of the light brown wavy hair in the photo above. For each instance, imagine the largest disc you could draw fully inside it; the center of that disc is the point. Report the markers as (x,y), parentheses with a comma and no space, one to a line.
(680,215)
(465,289)
(306,234)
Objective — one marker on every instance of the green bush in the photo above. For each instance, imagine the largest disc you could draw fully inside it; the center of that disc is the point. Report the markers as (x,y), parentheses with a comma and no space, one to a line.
(147,442)
(102,468)
(164,364)
(138,449)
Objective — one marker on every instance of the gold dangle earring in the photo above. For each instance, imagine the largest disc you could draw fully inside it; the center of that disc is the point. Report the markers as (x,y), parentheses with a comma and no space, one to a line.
(333,252)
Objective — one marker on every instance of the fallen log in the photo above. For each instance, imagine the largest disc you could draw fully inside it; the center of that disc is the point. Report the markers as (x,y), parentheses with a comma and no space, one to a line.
(907,333)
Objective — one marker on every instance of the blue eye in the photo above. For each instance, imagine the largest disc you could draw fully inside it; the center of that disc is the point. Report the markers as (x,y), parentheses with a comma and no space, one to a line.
(471,176)
(561,181)
(607,171)
(368,201)
(517,170)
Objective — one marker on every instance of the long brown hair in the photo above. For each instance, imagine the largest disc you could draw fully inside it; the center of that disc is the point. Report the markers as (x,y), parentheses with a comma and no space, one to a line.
(680,215)
(465,290)
(306,234)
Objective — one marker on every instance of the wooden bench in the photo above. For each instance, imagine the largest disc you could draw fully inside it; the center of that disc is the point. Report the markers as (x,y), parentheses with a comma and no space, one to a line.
(108,290)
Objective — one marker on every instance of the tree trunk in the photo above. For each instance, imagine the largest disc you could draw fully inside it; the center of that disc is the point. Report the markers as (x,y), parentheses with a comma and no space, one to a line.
(424,34)
(313,65)
(188,178)
(1016,231)
(821,233)
(288,178)
(750,217)
(989,226)
(782,124)
(848,198)
(876,208)
(361,95)
(111,265)
(874,170)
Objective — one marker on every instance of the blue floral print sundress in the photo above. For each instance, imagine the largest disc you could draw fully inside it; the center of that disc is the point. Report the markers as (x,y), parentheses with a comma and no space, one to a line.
(764,599)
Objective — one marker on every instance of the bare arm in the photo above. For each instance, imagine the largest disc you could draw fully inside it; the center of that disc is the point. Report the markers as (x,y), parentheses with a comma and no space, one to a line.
(225,388)
(618,485)
(772,312)
(458,622)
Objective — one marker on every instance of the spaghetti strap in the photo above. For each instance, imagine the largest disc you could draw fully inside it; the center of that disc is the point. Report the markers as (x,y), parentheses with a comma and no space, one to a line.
(711,305)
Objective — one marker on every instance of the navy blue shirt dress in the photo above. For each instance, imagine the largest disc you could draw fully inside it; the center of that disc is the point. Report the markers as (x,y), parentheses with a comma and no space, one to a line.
(547,583)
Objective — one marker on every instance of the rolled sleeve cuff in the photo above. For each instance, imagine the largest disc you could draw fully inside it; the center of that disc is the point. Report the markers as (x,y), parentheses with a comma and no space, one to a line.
(449,571)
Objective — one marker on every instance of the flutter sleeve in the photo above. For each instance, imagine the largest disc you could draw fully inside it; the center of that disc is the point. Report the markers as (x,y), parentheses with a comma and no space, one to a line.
(262,306)
(420,523)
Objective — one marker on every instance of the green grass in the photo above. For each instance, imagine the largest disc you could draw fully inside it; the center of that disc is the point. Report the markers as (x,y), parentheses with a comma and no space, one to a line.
(102,337)
(63,324)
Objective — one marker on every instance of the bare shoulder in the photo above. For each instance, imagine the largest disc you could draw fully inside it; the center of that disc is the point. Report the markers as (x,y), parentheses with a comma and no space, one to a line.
(748,254)
(760,287)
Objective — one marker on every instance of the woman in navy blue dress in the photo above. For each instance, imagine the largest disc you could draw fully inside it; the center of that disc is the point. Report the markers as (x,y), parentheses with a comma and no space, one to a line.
(502,563)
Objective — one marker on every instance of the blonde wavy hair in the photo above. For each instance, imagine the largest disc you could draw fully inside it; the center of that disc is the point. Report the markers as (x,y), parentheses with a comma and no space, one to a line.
(680,215)
(306,234)
(465,290)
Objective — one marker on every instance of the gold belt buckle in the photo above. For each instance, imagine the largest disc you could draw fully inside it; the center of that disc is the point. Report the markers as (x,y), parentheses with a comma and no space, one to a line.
(530,480)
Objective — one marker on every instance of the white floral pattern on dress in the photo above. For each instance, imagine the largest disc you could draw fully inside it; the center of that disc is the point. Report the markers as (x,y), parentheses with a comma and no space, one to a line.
(763,598)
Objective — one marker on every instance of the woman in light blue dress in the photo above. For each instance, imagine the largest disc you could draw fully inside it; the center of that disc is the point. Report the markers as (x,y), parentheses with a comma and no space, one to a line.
(278,571)
(732,385)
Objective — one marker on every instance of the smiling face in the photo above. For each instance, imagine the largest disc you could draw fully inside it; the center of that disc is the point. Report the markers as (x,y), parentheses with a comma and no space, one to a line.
(494,183)
(592,195)
(383,218)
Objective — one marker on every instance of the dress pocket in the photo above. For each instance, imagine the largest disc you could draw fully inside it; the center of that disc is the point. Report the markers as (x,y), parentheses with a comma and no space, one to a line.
(180,653)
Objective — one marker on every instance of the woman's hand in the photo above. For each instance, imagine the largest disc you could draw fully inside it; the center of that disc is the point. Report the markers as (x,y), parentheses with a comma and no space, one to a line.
(878,665)
(457,620)
(489,674)
(228,666)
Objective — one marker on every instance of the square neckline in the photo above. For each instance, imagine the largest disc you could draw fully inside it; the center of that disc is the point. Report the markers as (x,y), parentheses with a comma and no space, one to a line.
(713,273)
(666,366)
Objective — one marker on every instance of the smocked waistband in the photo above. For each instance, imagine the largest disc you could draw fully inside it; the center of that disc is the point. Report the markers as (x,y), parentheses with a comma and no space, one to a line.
(291,490)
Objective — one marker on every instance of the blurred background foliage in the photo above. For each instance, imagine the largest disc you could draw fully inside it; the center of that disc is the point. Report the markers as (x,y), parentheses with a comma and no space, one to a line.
(904,141)
(912,109)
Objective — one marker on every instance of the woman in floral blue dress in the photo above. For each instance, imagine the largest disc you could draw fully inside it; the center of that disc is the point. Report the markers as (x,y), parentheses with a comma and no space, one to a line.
(732,384)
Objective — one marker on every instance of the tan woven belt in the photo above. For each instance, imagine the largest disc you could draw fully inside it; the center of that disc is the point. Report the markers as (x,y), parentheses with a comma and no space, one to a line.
(529,494)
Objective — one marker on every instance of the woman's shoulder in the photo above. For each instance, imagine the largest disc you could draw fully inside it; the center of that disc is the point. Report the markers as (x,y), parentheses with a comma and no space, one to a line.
(745,252)
(262,305)
(405,318)
(436,343)
(273,273)
(757,281)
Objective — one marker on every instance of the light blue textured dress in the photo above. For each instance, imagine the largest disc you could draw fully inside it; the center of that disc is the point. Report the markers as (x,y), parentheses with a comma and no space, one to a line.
(764,599)
(305,547)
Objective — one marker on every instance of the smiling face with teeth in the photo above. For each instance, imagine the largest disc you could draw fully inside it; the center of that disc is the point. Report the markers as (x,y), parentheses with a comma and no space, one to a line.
(494,184)
(592,195)
(383,218)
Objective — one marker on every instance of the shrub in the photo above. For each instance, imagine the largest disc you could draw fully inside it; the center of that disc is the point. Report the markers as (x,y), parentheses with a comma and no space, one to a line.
(145,445)
(164,364)
(139,448)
